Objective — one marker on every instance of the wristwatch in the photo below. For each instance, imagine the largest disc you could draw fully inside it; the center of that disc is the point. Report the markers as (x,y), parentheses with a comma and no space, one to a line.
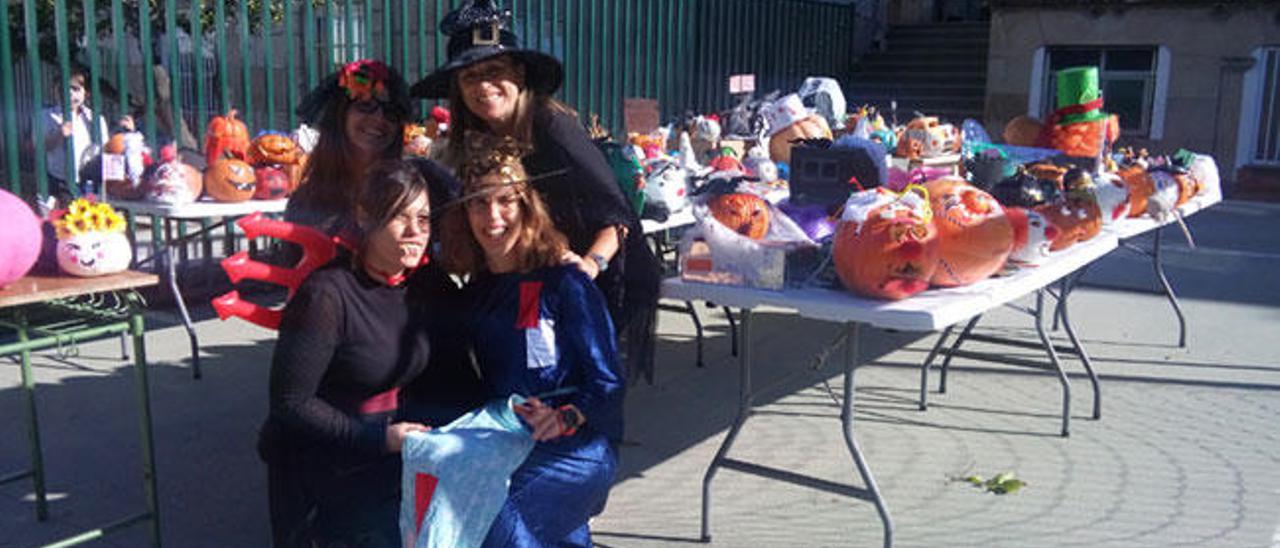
(601,261)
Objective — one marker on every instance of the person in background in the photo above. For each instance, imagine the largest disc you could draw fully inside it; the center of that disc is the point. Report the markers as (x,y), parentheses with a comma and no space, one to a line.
(540,328)
(59,136)
(495,87)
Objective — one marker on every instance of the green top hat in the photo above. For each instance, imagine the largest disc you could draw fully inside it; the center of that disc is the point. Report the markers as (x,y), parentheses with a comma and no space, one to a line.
(1077,86)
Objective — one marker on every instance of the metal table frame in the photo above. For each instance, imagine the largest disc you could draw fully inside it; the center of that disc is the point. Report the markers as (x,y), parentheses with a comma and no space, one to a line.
(62,324)
(164,246)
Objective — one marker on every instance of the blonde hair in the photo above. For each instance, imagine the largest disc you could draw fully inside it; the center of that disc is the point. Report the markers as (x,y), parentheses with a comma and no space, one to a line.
(490,167)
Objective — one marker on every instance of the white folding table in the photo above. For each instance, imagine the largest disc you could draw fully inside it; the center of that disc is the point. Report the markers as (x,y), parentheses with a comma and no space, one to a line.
(936,309)
(163,246)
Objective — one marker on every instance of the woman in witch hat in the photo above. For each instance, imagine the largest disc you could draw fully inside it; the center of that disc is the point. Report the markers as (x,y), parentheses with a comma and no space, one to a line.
(496,87)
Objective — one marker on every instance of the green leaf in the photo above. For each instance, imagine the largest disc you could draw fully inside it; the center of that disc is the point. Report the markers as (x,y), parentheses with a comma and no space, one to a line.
(976,480)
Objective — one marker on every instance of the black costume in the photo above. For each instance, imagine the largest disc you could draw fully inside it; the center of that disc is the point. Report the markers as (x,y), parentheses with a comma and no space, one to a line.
(347,344)
(585,199)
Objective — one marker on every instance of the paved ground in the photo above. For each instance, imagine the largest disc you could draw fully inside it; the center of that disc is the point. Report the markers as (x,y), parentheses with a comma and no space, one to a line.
(1187,452)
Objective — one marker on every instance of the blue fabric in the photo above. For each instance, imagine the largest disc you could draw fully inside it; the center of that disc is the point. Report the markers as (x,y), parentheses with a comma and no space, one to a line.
(563,481)
(472,459)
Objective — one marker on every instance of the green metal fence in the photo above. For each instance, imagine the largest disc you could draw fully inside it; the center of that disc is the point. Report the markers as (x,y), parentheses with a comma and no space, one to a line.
(218,54)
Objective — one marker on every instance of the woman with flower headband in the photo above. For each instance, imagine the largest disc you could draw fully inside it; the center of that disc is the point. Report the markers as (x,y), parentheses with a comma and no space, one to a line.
(540,328)
(349,342)
(496,87)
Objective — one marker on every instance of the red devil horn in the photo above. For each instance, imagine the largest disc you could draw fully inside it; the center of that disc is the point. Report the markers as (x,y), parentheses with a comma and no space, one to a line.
(230,304)
(317,249)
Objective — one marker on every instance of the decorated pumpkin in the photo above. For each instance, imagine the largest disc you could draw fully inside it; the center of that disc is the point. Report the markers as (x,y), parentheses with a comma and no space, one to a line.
(1172,186)
(124,180)
(886,245)
(91,240)
(1141,186)
(417,142)
(173,181)
(1033,235)
(229,180)
(270,183)
(1077,221)
(20,240)
(789,121)
(926,137)
(744,213)
(1112,196)
(1022,131)
(226,136)
(274,148)
(974,235)
(295,171)
(666,184)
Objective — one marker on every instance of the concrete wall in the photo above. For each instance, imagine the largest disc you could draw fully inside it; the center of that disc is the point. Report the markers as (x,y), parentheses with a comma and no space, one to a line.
(1204,93)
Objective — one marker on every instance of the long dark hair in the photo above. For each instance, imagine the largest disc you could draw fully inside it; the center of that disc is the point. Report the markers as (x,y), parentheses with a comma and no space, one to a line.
(388,188)
(330,184)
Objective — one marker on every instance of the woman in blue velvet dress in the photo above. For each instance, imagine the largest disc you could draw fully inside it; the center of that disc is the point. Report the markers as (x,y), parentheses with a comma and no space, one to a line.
(540,328)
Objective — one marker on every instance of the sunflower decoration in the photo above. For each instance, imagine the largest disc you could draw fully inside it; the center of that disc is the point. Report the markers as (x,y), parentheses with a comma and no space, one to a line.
(84,215)
(91,239)
(365,80)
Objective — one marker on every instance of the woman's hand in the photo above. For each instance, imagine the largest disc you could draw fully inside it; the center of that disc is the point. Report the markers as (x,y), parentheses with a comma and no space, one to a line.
(587,266)
(548,422)
(398,431)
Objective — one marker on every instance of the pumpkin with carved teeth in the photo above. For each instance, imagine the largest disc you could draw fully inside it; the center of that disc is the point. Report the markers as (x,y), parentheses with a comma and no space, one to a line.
(230,180)
(274,148)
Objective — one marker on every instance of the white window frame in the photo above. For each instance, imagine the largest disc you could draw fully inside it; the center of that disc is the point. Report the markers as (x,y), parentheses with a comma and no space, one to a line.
(1266,63)
(1154,106)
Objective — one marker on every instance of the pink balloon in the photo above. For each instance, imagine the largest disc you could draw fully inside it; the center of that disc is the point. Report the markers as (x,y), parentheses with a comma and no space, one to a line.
(20,240)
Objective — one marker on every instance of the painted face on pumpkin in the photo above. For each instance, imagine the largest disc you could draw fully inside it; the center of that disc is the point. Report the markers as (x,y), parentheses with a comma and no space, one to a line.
(746,214)
(974,234)
(491,88)
(175,183)
(886,245)
(1033,234)
(666,184)
(91,240)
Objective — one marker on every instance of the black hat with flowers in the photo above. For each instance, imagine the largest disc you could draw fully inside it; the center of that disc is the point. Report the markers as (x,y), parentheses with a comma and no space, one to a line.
(477,32)
(363,80)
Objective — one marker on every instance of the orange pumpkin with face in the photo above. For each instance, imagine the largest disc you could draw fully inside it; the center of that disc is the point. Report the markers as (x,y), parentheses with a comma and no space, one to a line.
(1076,220)
(274,148)
(886,247)
(812,127)
(226,136)
(746,214)
(974,235)
(230,180)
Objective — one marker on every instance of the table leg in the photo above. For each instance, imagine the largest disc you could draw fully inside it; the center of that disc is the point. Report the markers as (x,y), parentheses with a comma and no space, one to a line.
(182,309)
(946,360)
(846,421)
(1158,263)
(733,332)
(1057,365)
(1079,348)
(744,411)
(33,427)
(137,329)
(928,361)
(697,328)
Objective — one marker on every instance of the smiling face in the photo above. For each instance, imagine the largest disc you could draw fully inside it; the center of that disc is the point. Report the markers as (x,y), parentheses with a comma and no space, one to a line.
(371,127)
(490,89)
(495,219)
(401,242)
(91,254)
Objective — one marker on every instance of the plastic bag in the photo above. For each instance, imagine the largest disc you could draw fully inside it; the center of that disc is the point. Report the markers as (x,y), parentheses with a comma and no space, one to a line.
(455,478)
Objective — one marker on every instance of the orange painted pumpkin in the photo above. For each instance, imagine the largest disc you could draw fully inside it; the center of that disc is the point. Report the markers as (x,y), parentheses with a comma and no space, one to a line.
(1076,220)
(886,246)
(1022,131)
(974,235)
(1141,187)
(746,214)
(226,136)
(274,148)
(812,127)
(295,172)
(270,183)
(926,137)
(1083,139)
(229,180)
